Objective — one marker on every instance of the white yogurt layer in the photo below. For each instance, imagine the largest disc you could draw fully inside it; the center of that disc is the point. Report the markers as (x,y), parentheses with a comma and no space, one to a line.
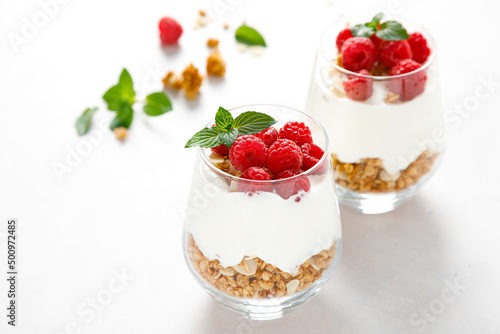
(229,225)
(397,133)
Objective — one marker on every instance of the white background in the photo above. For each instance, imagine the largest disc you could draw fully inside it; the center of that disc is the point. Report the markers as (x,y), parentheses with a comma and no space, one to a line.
(120,208)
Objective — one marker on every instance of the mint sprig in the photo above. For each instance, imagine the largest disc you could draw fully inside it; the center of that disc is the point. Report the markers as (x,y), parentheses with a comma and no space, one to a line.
(227,129)
(249,36)
(121,98)
(388,31)
(84,122)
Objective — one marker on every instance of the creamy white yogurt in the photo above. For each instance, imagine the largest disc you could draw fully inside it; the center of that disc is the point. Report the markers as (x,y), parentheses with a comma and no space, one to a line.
(397,133)
(229,225)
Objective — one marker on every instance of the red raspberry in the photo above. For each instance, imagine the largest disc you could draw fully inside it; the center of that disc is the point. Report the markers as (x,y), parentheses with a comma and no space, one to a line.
(248,151)
(311,154)
(170,30)
(284,154)
(358,88)
(343,36)
(221,150)
(358,53)
(411,85)
(376,41)
(297,132)
(419,47)
(390,52)
(257,174)
(268,136)
(287,189)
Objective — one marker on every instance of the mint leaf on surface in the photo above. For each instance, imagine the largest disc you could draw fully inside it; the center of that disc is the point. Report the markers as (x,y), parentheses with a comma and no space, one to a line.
(157,104)
(223,119)
(84,122)
(249,36)
(207,137)
(392,31)
(251,122)
(121,93)
(123,118)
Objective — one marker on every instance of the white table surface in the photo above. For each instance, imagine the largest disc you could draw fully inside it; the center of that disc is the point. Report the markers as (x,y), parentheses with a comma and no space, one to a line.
(120,209)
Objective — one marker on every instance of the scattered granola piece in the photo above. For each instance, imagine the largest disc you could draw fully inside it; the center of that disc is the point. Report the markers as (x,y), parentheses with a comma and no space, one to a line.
(192,80)
(391,97)
(202,12)
(215,64)
(212,42)
(226,26)
(173,81)
(120,133)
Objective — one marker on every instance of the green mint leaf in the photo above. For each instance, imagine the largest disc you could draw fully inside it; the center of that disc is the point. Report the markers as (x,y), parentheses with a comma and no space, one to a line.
(375,21)
(251,122)
(392,31)
(249,36)
(121,93)
(84,122)
(123,118)
(157,104)
(207,137)
(223,119)
(361,30)
(228,138)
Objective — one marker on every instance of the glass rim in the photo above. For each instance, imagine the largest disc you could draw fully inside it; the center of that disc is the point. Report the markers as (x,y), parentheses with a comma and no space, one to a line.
(239,179)
(426,65)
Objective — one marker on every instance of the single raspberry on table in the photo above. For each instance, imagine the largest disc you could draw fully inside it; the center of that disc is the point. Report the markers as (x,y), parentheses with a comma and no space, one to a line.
(268,136)
(311,154)
(391,52)
(358,88)
(410,85)
(284,154)
(170,30)
(297,132)
(287,189)
(419,48)
(358,53)
(256,174)
(343,36)
(248,151)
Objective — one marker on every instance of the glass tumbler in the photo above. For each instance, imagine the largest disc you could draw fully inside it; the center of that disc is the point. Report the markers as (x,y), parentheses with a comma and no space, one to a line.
(384,148)
(254,246)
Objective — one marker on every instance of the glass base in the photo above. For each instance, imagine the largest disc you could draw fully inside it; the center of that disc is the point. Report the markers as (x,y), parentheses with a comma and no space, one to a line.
(374,203)
(272,308)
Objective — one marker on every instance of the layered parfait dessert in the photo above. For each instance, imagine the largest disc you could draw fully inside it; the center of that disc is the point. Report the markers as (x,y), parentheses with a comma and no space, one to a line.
(263,220)
(376,91)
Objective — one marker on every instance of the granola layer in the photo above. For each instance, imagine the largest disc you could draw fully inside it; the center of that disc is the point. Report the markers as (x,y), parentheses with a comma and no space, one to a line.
(254,278)
(370,176)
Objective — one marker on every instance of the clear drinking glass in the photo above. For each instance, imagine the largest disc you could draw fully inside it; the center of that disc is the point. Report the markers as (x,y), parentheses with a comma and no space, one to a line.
(386,147)
(257,250)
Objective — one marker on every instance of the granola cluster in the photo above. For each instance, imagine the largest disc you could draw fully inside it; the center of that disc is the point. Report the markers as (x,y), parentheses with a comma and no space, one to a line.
(254,278)
(215,64)
(190,81)
(370,176)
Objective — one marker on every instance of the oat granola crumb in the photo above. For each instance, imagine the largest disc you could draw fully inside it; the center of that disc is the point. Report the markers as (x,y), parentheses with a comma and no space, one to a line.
(191,82)
(173,81)
(391,97)
(212,42)
(215,64)
(226,26)
(120,133)
(202,12)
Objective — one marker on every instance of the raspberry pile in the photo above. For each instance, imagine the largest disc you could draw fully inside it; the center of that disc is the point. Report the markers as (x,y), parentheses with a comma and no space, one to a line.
(373,56)
(275,155)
